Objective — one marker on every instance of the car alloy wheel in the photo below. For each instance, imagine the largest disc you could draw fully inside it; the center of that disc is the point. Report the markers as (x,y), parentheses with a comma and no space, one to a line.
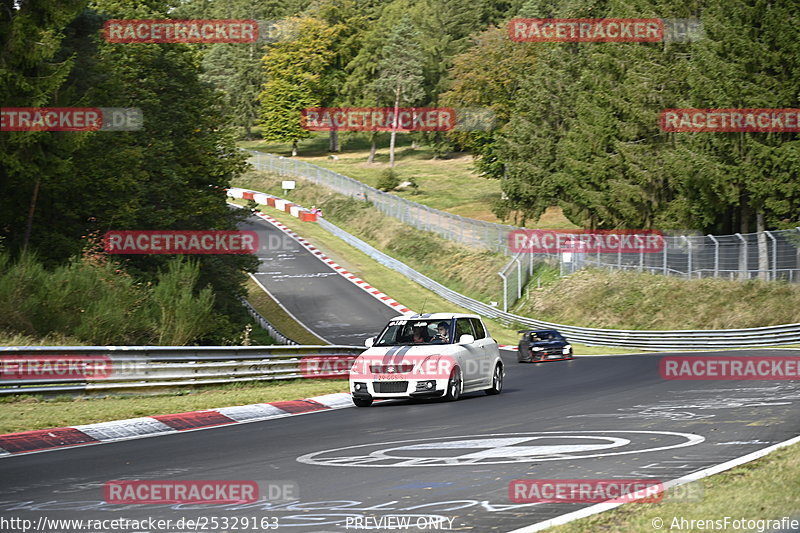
(454,386)
(497,381)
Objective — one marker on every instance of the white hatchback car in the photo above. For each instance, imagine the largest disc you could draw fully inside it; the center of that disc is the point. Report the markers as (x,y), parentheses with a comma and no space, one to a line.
(434,355)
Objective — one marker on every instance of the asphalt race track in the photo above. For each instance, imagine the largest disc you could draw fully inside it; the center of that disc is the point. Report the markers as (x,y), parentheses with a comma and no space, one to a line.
(329,305)
(593,417)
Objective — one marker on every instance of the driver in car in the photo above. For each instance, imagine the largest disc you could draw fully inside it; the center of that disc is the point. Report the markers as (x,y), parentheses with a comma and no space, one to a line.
(441,334)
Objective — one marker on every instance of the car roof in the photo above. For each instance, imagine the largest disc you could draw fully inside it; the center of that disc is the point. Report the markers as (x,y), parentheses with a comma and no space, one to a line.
(435,316)
(539,331)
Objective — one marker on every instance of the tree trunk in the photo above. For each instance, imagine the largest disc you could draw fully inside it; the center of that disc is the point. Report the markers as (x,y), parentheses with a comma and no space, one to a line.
(333,141)
(744,229)
(394,126)
(294,148)
(373,147)
(763,249)
(31,210)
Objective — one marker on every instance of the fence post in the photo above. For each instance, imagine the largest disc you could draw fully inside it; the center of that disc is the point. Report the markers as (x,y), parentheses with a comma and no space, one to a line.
(505,291)
(743,257)
(774,255)
(689,263)
(716,254)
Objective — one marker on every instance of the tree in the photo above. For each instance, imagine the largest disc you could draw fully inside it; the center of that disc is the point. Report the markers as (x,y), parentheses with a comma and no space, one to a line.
(400,72)
(235,68)
(488,75)
(32,77)
(295,81)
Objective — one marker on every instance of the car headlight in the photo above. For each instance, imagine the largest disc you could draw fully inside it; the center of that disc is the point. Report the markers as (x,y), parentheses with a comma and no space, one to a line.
(537,349)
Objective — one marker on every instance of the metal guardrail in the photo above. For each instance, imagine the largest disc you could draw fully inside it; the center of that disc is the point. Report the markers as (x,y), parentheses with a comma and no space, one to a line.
(135,368)
(649,339)
(279,337)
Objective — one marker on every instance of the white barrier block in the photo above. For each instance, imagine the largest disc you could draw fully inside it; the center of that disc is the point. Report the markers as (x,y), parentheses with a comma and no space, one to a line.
(260,198)
(281,204)
(339,399)
(256,411)
(295,210)
(235,192)
(125,429)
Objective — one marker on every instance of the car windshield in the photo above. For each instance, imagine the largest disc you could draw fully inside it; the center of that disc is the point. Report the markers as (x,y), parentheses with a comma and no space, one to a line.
(411,332)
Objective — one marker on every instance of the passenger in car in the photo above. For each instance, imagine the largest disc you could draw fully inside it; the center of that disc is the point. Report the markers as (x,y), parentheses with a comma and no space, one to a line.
(419,335)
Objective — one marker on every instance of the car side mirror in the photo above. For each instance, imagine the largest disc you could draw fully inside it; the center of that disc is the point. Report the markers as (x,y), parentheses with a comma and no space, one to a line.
(369,342)
(466,339)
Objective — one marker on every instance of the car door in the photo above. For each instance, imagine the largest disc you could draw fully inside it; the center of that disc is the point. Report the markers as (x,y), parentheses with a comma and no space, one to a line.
(471,353)
(485,344)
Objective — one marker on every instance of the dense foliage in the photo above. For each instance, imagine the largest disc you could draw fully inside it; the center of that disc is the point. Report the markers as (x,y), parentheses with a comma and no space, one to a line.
(577,123)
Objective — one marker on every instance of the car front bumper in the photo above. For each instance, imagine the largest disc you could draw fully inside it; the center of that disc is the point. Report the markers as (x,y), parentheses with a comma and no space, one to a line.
(399,389)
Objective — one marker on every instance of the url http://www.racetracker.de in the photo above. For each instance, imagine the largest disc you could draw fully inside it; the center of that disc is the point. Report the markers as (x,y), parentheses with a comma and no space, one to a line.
(198,524)
(760,525)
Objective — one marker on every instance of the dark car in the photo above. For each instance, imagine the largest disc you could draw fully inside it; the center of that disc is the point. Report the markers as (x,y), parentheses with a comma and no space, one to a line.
(543,345)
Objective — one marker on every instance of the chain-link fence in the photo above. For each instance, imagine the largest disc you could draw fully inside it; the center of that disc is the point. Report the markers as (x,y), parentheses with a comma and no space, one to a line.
(452,227)
(768,255)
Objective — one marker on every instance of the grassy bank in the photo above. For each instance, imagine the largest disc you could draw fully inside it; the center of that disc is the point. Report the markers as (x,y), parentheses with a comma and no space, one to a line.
(632,300)
(766,488)
(277,315)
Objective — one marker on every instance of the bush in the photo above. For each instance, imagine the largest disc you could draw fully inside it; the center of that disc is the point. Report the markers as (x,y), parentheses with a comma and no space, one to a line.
(94,301)
(388,180)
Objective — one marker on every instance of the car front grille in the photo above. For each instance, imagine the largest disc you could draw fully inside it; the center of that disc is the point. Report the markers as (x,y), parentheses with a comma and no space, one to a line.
(390,386)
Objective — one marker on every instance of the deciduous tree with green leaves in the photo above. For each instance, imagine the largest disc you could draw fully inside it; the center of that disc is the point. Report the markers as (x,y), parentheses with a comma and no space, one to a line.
(295,81)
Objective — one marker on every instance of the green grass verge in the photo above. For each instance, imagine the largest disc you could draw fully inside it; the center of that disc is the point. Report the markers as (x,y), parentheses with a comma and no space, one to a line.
(766,488)
(632,300)
(277,315)
(23,413)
